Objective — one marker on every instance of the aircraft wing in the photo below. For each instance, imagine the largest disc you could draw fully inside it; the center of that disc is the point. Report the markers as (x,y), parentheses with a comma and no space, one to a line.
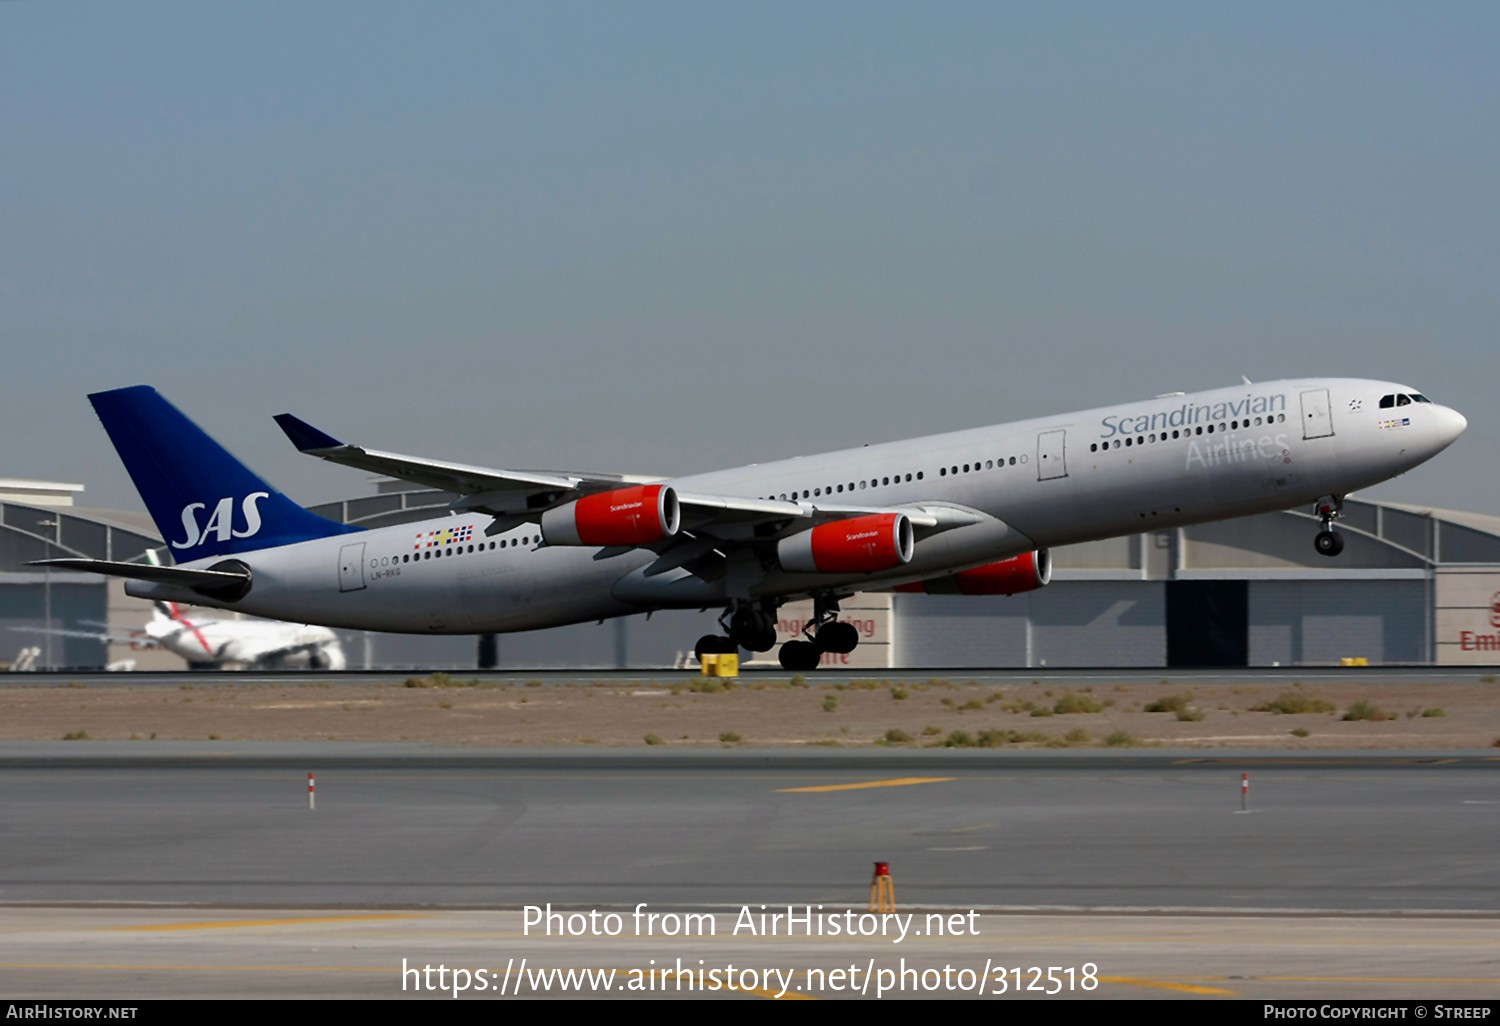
(481,488)
(709,522)
(727,516)
(499,492)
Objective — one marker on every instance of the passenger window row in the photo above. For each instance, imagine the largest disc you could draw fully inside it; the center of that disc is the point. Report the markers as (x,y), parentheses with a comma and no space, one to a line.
(882,482)
(457,550)
(1001,463)
(1387,401)
(1233,425)
(873,482)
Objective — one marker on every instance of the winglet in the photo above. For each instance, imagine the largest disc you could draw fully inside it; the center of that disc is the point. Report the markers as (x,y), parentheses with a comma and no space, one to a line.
(304,436)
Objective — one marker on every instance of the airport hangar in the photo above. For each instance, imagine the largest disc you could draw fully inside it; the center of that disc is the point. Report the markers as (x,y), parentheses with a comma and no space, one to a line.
(1413,585)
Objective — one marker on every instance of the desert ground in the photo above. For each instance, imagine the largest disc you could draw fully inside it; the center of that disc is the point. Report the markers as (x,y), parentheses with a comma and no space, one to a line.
(904,711)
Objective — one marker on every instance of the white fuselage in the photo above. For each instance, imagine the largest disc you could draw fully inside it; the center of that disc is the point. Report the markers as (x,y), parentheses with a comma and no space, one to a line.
(258,644)
(1039,483)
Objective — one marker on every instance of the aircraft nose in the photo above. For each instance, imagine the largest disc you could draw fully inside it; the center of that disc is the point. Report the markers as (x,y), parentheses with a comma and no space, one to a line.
(1450,424)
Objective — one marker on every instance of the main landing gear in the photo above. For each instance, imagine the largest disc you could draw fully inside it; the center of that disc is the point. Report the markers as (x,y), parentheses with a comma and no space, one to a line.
(1329,509)
(753,627)
(749,627)
(826,634)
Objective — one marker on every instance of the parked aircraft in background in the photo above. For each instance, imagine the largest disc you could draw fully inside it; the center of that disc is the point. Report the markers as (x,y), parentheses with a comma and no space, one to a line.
(216,644)
(971,512)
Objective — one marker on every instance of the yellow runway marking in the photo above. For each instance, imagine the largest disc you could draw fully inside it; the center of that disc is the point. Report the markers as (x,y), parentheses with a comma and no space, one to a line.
(1379,979)
(900,782)
(790,995)
(1185,988)
(204,968)
(233,924)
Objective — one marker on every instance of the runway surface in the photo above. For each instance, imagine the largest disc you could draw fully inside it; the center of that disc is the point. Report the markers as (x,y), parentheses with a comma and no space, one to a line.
(1357,874)
(982,675)
(125,953)
(1347,833)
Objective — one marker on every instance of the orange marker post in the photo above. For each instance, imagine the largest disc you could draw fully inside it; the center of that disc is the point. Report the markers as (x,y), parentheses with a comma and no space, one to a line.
(882,889)
(1244,792)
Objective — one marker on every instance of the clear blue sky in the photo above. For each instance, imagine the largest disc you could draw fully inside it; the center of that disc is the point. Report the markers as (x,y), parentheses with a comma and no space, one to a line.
(665,237)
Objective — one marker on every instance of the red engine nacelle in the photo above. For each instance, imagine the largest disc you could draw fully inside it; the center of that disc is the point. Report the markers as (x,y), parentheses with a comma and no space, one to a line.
(1026,572)
(859,545)
(625,516)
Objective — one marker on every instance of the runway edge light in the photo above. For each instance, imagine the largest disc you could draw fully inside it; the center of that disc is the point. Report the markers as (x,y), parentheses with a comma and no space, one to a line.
(882,889)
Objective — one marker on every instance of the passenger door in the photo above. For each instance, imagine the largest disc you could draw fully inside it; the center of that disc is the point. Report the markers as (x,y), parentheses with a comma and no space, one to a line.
(352,567)
(1317,418)
(1051,455)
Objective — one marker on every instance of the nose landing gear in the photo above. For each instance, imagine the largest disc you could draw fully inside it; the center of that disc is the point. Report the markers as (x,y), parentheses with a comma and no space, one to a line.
(1329,509)
(1328,543)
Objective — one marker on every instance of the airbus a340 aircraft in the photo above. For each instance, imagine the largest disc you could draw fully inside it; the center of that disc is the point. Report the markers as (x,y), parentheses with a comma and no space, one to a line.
(970,512)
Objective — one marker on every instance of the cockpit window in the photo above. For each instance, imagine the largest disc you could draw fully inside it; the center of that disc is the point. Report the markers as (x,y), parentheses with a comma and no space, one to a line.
(1420,398)
(1387,401)
(1402,400)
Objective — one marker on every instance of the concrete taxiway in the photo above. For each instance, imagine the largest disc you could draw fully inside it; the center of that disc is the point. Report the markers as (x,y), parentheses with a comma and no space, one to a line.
(1147,830)
(1359,874)
(153,952)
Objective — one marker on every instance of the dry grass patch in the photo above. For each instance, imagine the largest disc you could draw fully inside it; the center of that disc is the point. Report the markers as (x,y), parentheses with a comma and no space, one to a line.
(1364,709)
(1072,739)
(1071,702)
(1296,703)
(992,738)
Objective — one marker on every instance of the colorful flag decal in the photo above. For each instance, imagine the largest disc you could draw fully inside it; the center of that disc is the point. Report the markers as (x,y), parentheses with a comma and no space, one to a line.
(447,536)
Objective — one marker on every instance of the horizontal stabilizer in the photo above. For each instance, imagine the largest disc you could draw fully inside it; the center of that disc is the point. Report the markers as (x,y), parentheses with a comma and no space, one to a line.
(91,635)
(228,580)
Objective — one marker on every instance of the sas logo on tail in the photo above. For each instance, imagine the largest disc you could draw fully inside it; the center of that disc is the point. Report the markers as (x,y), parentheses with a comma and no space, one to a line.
(220,522)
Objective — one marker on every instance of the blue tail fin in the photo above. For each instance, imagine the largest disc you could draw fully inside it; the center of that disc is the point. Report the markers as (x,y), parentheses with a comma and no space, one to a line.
(204,501)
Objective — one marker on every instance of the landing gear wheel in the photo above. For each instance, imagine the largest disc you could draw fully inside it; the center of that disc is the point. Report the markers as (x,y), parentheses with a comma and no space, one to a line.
(764,641)
(797,656)
(713,644)
(753,629)
(837,637)
(1328,543)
